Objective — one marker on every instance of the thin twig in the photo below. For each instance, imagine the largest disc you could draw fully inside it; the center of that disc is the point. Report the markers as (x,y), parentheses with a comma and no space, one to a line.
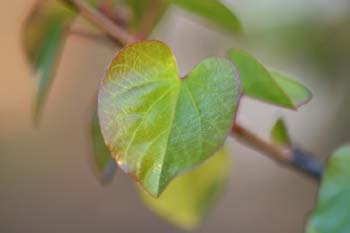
(273,151)
(88,35)
(290,157)
(117,33)
(149,18)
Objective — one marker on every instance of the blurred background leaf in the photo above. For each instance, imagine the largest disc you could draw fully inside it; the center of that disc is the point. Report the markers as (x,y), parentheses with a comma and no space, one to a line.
(214,12)
(188,197)
(332,211)
(44,33)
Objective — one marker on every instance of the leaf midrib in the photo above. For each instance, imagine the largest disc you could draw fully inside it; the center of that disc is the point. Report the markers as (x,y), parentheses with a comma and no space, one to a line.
(143,120)
(194,104)
(179,83)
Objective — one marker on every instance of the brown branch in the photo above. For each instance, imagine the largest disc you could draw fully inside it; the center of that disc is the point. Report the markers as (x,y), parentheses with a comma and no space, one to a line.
(290,157)
(273,151)
(149,18)
(88,35)
(117,33)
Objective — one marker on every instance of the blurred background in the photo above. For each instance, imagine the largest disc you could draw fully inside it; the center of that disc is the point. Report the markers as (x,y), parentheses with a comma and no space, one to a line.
(46,182)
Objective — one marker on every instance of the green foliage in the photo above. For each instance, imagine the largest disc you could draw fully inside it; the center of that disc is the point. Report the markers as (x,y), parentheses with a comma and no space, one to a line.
(102,160)
(332,212)
(213,11)
(271,87)
(297,93)
(188,197)
(44,33)
(158,125)
(279,133)
(46,28)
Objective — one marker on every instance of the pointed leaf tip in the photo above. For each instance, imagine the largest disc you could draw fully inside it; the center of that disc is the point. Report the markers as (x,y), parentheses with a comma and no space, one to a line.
(44,34)
(269,86)
(188,198)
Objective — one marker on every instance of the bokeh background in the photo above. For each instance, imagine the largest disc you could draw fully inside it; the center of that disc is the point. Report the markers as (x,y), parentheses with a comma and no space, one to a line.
(46,182)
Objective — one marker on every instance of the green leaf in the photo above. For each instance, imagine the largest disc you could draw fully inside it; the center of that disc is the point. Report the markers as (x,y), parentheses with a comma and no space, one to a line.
(296,92)
(259,83)
(279,133)
(213,11)
(189,197)
(158,125)
(43,34)
(103,162)
(332,211)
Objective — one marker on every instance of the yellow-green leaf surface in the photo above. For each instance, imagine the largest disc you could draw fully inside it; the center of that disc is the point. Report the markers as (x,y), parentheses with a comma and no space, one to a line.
(332,211)
(188,198)
(259,83)
(103,161)
(213,11)
(158,125)
(279,133)
(43,35)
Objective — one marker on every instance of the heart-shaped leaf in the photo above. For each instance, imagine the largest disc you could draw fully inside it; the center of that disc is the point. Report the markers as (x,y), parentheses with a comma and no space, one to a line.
(271,87)
(279,133)
(189,197)
(213,11)
(158,125)
(332,212)
(103,162)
